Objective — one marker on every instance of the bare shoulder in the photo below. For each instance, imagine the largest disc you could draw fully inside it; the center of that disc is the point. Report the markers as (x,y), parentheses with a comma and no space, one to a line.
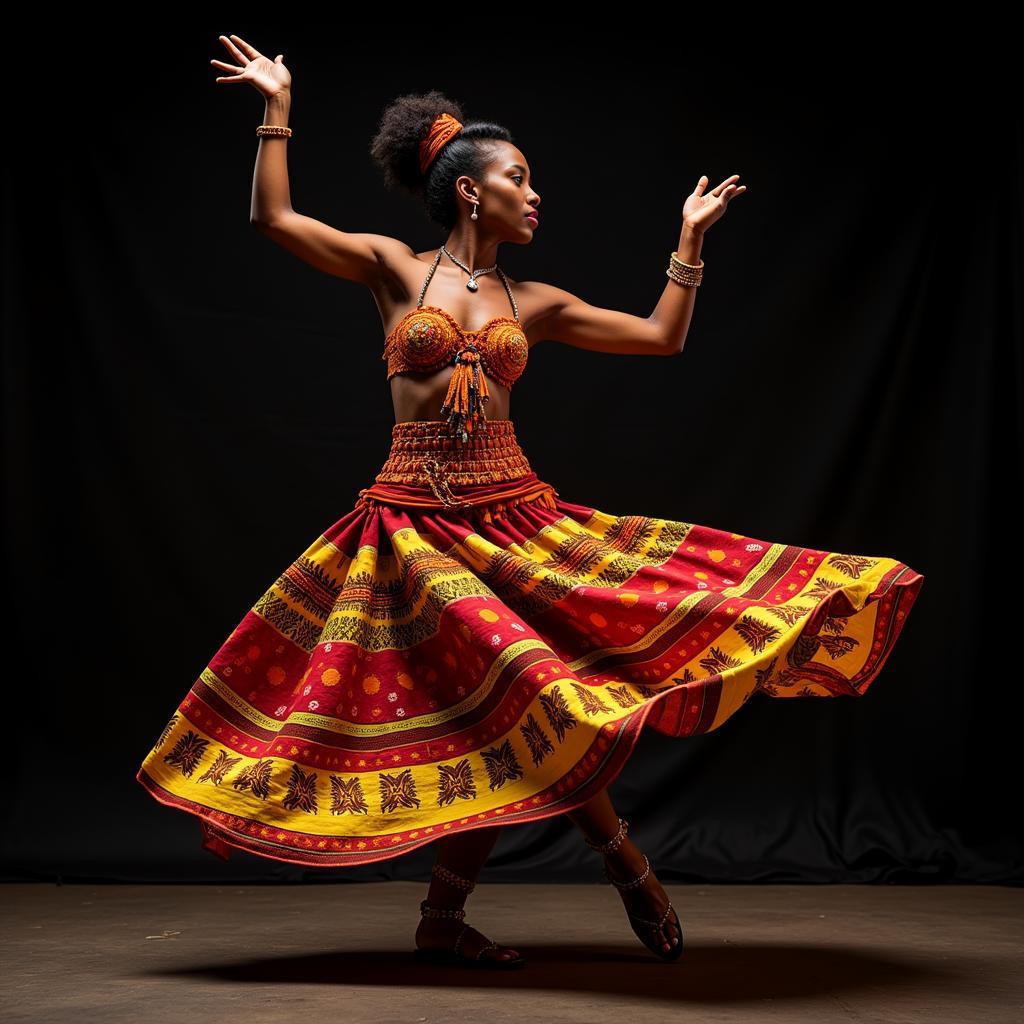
(363,257)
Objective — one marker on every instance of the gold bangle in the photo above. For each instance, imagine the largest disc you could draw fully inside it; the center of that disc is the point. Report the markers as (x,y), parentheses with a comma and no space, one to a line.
(685,273)
(274,129)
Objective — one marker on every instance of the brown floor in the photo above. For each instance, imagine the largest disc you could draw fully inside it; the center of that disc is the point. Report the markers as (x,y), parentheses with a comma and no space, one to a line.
(340,953)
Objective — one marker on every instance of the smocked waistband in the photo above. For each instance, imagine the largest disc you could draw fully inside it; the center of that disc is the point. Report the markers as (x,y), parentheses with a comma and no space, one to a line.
(421,450)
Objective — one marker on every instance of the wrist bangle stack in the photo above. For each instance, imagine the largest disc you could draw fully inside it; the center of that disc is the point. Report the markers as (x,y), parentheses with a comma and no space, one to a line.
(685,273)
(274,129)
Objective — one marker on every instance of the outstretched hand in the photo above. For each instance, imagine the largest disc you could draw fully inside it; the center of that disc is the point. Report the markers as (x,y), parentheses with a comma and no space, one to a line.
(701,211)
(268,76)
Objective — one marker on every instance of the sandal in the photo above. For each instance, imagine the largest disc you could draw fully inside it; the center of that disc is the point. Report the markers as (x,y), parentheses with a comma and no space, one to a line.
(454,957)
(649,928)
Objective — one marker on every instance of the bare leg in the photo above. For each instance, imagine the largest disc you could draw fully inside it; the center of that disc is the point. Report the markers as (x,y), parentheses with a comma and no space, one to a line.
(598,820)
(464,853)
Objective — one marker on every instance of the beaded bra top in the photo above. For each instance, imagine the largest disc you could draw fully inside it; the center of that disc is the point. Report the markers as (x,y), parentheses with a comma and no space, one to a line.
(428,338)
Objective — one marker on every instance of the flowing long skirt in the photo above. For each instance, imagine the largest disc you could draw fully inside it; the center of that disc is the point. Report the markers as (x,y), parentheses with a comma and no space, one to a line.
(466,648)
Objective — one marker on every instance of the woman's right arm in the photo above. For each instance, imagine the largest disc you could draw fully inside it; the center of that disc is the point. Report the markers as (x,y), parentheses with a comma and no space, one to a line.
(358,257)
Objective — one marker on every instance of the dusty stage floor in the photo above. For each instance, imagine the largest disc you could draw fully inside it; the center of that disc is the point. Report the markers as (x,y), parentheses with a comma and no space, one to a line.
(255,954)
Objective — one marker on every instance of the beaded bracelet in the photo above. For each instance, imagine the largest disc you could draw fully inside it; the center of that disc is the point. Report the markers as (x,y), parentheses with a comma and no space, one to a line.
(685,273)
(274,129)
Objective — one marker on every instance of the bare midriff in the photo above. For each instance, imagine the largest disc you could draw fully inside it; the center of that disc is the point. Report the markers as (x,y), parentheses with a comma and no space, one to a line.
(419,396)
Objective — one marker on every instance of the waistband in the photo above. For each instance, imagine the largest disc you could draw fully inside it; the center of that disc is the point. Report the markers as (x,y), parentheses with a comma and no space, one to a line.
(423,449)
(488,470)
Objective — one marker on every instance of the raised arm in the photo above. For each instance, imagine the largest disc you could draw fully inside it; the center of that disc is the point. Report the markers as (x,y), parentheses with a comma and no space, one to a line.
(357,257)
(574,322)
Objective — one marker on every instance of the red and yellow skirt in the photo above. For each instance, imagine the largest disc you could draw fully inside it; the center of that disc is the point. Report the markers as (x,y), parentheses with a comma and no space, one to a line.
(465,648)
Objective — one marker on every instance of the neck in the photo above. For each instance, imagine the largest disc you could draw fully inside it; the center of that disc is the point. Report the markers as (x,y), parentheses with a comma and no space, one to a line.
(472,247)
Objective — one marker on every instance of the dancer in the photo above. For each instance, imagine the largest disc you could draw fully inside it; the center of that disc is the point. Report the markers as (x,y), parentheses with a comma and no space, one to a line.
(465,648)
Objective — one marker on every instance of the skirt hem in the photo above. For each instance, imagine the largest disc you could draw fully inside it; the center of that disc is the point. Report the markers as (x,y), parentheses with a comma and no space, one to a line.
(219,840)
(667,707)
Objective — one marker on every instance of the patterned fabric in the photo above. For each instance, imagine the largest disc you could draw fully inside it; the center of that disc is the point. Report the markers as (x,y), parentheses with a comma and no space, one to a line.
(427,666)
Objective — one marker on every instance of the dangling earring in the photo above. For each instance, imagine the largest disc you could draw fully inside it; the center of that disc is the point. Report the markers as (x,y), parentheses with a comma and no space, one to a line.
(473,215)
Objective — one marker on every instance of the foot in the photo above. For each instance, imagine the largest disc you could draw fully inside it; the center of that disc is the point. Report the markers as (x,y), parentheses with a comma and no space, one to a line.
(648,900)
(441,933)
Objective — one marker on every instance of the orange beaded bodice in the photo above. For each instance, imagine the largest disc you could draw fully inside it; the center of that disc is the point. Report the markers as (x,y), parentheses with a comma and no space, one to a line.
(428,338)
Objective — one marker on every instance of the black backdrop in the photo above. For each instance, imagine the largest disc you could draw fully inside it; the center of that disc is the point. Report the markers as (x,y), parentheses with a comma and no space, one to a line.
(187,406)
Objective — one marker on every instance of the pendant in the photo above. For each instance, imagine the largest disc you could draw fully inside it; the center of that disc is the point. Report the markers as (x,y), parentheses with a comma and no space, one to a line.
(472,285)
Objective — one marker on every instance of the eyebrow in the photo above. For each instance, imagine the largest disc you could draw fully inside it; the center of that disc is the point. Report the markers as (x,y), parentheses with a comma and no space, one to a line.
(519,166)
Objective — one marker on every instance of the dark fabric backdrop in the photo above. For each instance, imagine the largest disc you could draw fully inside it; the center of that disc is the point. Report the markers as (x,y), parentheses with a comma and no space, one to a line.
(187,406)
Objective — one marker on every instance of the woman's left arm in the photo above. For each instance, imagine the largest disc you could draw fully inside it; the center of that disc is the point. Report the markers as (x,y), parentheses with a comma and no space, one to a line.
(572,321)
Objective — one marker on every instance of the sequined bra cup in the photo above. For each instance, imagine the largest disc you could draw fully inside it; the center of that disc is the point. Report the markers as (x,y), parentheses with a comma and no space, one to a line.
(429,338)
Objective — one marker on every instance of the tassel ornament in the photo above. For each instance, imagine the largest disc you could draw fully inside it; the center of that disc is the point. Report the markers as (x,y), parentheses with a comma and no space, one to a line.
(463,408)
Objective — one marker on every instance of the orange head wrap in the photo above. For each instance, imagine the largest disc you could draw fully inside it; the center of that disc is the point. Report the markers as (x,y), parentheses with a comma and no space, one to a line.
(444,128)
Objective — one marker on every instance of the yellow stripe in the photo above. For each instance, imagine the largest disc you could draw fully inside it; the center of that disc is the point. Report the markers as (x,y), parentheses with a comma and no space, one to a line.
(272,812)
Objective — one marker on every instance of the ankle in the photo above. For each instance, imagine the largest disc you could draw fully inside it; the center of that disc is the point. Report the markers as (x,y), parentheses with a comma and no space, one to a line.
(448,890)
(628,870)
(607,845)
(444,898)
(626,853)
(433,915)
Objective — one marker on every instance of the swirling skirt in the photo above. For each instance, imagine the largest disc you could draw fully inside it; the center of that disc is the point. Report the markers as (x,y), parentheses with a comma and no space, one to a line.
(465,648)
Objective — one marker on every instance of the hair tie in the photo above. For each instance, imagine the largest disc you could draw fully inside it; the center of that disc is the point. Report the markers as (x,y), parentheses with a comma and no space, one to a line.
(444,128)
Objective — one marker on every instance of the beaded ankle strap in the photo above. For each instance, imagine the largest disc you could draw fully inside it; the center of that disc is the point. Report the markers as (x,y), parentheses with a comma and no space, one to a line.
(465,884)
(633,883)
(612,844)
(428,910)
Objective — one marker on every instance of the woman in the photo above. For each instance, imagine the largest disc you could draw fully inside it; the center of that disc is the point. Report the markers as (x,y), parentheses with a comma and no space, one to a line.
(465,648)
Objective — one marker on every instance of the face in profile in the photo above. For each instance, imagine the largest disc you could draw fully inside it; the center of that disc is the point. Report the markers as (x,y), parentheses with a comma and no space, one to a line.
(506,196)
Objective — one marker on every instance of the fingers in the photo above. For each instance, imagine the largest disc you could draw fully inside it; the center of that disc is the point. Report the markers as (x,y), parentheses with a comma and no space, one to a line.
(717,190)
(250,51)
(228,67)
(234,50)
(238,74)
(725,191)
(732,191)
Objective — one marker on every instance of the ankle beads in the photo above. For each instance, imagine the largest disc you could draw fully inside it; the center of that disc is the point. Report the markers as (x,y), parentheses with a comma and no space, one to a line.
(429,911)
(612,844)
(467,885)
(633,883)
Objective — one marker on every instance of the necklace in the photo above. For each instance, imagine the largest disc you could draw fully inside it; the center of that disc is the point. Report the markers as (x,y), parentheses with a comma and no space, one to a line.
(473,274)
